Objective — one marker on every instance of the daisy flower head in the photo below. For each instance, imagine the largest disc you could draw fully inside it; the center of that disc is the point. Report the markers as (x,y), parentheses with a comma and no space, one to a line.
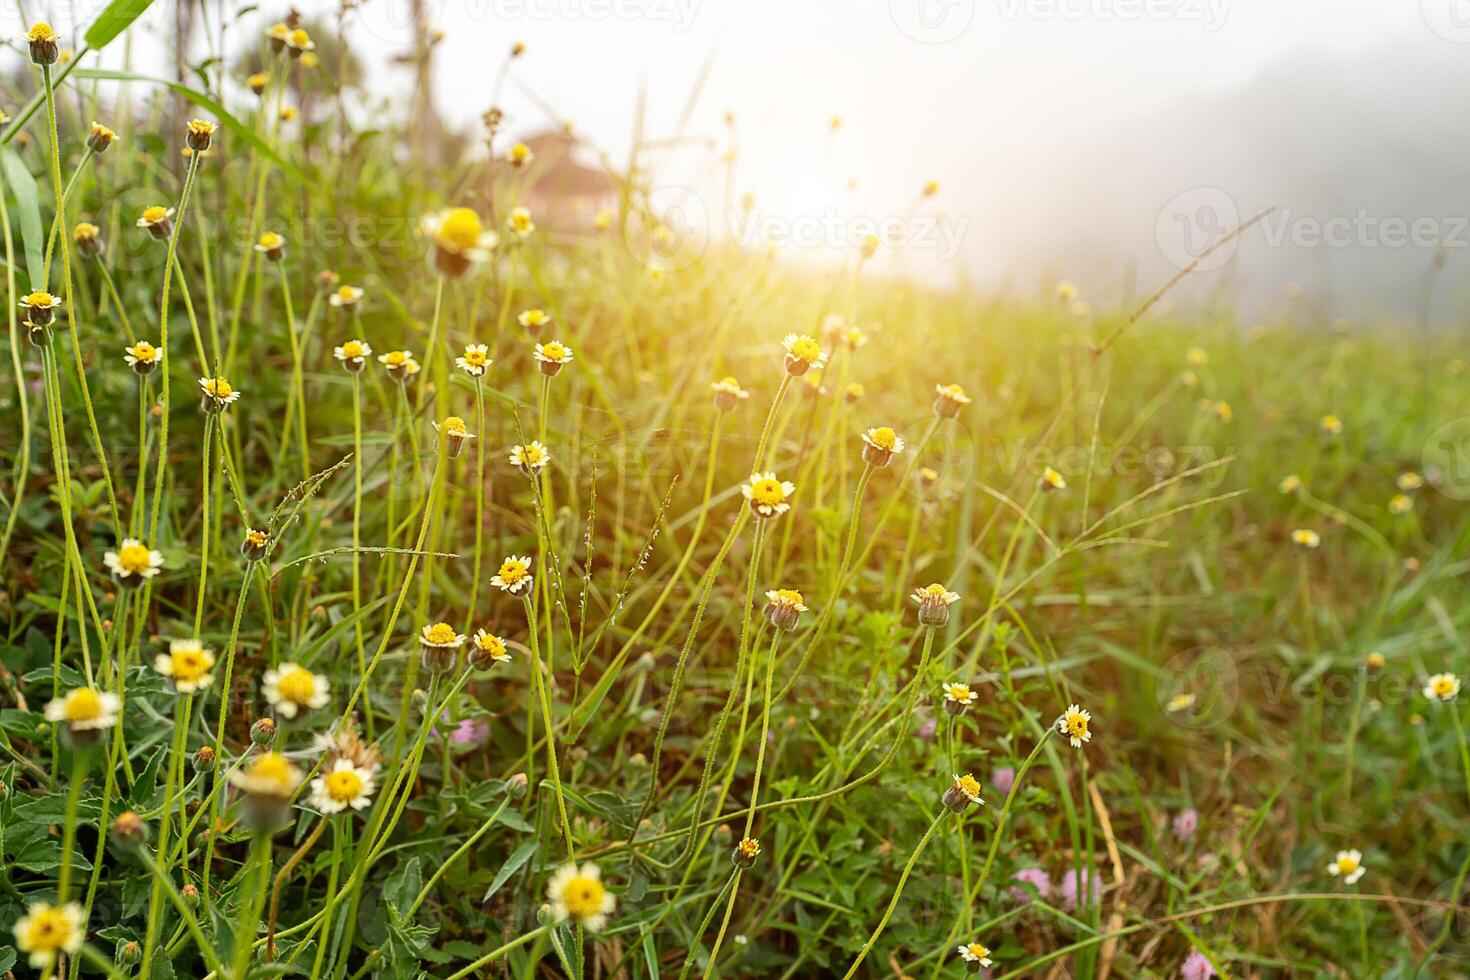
(277,34)
(400,364)
(802,354)
(934,601)
(353,354)
(1197,357)
(531,458)
(46,931)
(977,955)
(488,651)
(345,297)
(1051,481)
(962,792)
(948,400)
(746,852)
(218,394)
(1222,411)
(455,434)
(1443,688)
(579,894)
(854,338)
(344,787)
(854,392)
(272,246)
(534,321)
(514,575)
(1066,292)
(258,81)
(475,360)
(255,544)
(958,697)
(142,357)
(268,781)
(784,608)
(298,42)
(291,689)
(1290,484)
(99,137)
(158,220)
(459,239)
(87,237)
(1306,538)
(1375,660)
(1075,723)
(199,134)
(767,494)
(43,42)
(1400,504)
(520,223)
(441,635)
(728,394)
(133,563)
(1348,865)
(1331,425)
(1408,481)
(880,445)
(519,155)
(552,356)
(189,664)
(40,307)
(85,712)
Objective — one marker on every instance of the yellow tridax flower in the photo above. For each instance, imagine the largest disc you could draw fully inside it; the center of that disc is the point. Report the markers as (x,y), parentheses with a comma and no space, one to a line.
(1348,865)
(40,307)
(534,320)
(1290,483)
(142,356)
(802,353)
(299,42)
(491,646)
(948,400)
(460,239)
(345,786)
(1074,723)
(1052,480)
(1306,537)
(1197,357)
(158,220)
(189,664)
(530,457)
(519,155)
(1066,292)
(1442,687)
(270,775)
(514,575)
(292,689)
(400,364)
(1331,424)
(272,246)
(345,297)
(1400,503)
(520,222)
(46,931)
(728,394)
(441,635)
(475,360)
(199,134)
(84,709)
(1408,481)
(352,352)
(133,563)
(962,792)
(767,494)
(579,894)
(552,356)
(976,953)
(218,394)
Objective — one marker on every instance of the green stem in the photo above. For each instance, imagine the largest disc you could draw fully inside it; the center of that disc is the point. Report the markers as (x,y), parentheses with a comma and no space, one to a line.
(897,893)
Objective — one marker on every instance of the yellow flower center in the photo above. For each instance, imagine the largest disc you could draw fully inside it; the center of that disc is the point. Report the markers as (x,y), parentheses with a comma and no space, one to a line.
(352,348)
(201,128)
(40,299)
(189,665)
(583,897)
(48,930)
(968,785)
(219,388)
(978,951)
(1444,687)
(271,240)
(1347,864)
(883,438)
(532,454)
(521,220)
(344,785)
(490,644)
(300,38)
(42,31)
(134,558)
(143,350)
(271,767)
(461,229)
(952,391)
(959,692)
(512,572)
(476,358)
(454,425)
(1076,726)
(535,317)
(520,151)
(85,231)
(256,537)
(789,597)
(346,293)
(767,492)
(155,214)
(297,685)
(394,358)
(441,633)
(806,349)
(83,704)
(934,591)
(554,351)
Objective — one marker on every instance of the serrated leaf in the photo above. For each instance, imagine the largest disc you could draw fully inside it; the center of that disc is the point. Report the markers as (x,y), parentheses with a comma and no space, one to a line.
(517,859)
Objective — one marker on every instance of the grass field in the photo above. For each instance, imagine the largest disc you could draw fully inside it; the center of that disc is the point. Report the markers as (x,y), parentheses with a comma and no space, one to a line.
(476,660)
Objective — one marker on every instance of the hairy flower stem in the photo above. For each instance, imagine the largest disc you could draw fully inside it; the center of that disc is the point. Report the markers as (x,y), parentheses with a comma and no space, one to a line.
(175,759)
(540,683)
(897,894)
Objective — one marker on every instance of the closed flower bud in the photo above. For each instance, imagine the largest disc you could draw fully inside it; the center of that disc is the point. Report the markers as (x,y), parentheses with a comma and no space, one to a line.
(128,952)
(203,760)
(961,793)
(436,659)
(129,829)
(515,786)
(43,44)
(88,239)
(263,732)
(199,134)
(190,894)
(100,138)
(254,545)
(784,608)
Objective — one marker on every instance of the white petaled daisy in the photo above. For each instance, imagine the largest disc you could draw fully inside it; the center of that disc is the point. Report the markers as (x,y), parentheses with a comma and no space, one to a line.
(531,457)
(1442,687)
(142,356)
(948,400)
(1306,538)
(291,689)
(960,694)
(514,575)
(133,563)
(188,663)
(1074,723)
(158,220)
(1052,480)
(579,894)
(475,360)
(534,319)
(460,240)
(880,445)
(270,775)
(46,931)
(977,953)
(1290,483)
(767,494)
(441,635)
(553,352)
(802,353)
(784,608)
(345,297)
(520,222)
(345,786)
(519,155)
(1348,865)
(218,393)
(934,601)
(491,646)
(84,709)
(728,393)
(1408,480)
(353,352)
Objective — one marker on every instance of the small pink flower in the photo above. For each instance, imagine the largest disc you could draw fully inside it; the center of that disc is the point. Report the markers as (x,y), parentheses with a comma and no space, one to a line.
(1186,822)
(1077,884)
(1036,878)
(927,726)
(1003,779)
(1196,967)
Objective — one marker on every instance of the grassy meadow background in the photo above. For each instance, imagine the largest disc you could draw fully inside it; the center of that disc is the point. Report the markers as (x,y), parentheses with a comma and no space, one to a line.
(1256,703)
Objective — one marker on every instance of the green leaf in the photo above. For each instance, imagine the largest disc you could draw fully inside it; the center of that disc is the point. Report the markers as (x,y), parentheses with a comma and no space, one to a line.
(28,209)
(511,866)
(221,115)
(113,21)
(7,958)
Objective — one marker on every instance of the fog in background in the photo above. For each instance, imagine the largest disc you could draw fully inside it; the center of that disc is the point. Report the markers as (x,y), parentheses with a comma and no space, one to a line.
(1102,141)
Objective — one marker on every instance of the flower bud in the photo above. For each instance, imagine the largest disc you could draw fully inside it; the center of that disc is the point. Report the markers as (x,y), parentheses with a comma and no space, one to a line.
(199,134)
(100,138)
(515,786)
(746,852)
(128,829)
(190,894)
(263,732)
(43,43)
(128,952)
(961,793)
(254,545)
(203,760)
